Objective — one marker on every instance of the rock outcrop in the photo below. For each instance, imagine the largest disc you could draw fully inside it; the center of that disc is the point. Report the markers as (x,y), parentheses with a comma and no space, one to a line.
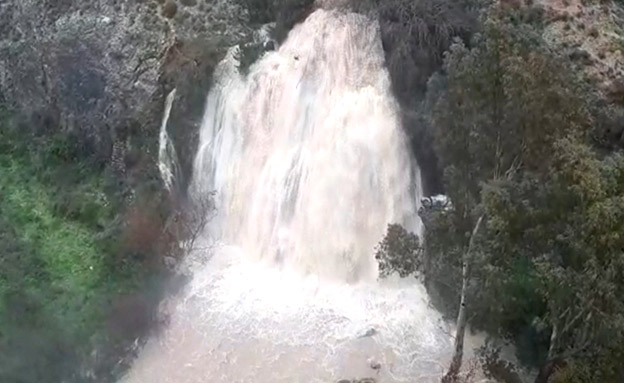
(590,33)
(102,68)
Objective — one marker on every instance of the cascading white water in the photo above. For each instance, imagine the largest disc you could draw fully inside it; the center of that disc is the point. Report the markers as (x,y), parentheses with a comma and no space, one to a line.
(306,154)
(167,157)
(309,163)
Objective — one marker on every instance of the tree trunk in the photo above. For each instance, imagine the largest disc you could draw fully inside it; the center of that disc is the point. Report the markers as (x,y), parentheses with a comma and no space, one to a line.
(458,354)
(462,319)
(554,339)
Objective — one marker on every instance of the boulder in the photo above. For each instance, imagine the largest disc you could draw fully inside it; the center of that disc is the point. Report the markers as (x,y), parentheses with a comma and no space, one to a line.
(370,332)
(375,365)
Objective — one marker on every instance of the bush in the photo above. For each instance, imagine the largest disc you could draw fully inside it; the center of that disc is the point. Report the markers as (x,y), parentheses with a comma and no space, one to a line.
(399,252)
(60,268)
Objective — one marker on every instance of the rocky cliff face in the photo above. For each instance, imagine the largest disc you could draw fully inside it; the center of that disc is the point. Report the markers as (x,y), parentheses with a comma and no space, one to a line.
(591,35)
(101,68)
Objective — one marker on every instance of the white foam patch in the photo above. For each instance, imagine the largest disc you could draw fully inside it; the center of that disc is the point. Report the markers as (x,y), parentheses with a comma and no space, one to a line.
(248,321)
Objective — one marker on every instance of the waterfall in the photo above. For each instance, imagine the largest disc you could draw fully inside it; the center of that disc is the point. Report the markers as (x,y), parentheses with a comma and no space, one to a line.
(167,157)
(306,153)
(309,165)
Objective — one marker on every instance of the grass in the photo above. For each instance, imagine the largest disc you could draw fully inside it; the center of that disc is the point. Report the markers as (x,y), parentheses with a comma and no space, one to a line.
(61,267)
(70,259)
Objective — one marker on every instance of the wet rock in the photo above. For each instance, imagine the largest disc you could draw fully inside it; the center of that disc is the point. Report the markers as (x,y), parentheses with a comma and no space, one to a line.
(370,332)
(437,201)
(375,365)
(615,90)
(269,45)
(432,205)
(169,9)
(170,262)
(581,56)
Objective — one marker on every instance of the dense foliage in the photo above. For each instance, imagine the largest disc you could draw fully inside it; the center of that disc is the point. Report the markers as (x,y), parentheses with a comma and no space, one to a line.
(520,140)
(68,286)
(399,252)
(512,124)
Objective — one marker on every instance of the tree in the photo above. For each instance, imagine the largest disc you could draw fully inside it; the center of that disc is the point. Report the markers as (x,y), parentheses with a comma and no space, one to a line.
(569,229)
(506,104)
(400,252)
(462,319)
(188,222)
(415,35)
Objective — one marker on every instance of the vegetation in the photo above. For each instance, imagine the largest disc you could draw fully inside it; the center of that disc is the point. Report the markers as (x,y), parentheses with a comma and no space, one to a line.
(399,252)
(533,245)
(67,285)
(415,35)
(531,249)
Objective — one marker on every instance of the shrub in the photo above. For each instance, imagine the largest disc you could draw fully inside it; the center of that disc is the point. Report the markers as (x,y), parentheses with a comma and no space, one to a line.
(400,252)
(59,238)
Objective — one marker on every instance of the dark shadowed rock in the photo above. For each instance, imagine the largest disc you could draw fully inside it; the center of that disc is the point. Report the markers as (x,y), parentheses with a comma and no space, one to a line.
(615,90)
(415,35)
(188,3)
(581,56)
(375,365)
(370,332)
(187,67)
(169,9)
(269,45)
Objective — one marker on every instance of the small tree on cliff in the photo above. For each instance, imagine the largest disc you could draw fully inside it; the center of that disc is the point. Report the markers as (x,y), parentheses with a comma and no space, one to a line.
(187,223)
(400,252)
(158,236)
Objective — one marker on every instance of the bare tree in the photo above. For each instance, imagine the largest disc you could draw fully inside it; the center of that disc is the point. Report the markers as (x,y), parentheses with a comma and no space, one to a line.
(188,223)
(462,319)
